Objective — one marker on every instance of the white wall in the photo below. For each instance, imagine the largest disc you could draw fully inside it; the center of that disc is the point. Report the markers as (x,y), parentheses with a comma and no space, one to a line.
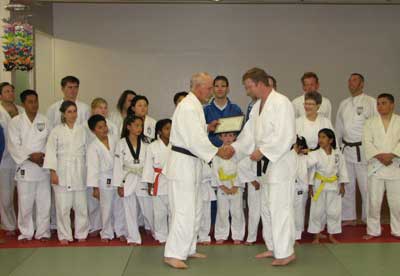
(154,49)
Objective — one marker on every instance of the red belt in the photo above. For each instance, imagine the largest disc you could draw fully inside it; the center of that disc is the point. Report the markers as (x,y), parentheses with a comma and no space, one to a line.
(155,187)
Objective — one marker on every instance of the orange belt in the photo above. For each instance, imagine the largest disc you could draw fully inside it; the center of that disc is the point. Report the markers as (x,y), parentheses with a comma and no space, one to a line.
(155,187)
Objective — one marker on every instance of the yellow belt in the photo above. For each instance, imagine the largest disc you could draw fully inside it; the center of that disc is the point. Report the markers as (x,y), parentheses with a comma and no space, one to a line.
(226,177)
(324,180)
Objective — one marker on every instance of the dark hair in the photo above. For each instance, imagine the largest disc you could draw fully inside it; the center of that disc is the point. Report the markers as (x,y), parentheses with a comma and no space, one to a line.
(331,135)
(387,96)
(257,75)
(94,119)
(26,93)
(274,83)
(70,79)
(221,78)
(309,75)
(313,95)
(133,103)
(129,120)
(64,106)
(161,124)
(301,142)
(358,75)
(4,84)
(122,99)
(178,95)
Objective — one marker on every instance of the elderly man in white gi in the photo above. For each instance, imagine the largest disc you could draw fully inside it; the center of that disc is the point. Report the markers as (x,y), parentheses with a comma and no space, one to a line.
(190,146)
(268,137)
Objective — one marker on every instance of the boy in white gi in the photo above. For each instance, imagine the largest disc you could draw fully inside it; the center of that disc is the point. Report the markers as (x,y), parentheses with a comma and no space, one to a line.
(27,137)
(229,196)
(381,141)
(100,164)
(157,153)
(130,154)
(66,159)
(326,189)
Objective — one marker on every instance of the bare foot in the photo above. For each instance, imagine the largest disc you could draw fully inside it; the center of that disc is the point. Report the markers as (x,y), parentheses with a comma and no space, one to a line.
(64,242)
(122,238)
(296,243)
(333,240)
(284,261)
(44,239)
(368,237)
(204,243)
(265,254)
(236,242)
(161,242)
(249,243)
(322,236)
(133,244)
(23,240)
(11,233)
(81,240)
(198,256)
(105,240)
(315,241)
(219,242)
(349,223)
(175,263)
(94,234)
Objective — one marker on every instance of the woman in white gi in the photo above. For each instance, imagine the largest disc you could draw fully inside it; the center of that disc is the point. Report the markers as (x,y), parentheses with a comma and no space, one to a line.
(8,110)
(66,159)
(124,102)
(229,197)
(381,140)
(27,137)
(157,153)
(130,154)
(100,164)
(326,186)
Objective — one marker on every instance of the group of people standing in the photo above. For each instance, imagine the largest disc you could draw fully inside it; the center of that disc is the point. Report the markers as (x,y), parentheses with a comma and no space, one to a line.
(125,170)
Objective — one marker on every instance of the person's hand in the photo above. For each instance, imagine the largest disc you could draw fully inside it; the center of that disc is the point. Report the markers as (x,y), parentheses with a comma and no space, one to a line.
(256,185)
(37,158)
(342,190)
(120,191)
(212,126)
(96,193)
(256,155)
(310,191)
(234,190)
(53,177)
(225,189)
(226,152)
(385,158)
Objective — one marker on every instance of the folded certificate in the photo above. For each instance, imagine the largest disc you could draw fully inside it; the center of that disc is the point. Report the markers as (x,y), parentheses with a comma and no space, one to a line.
(230,124)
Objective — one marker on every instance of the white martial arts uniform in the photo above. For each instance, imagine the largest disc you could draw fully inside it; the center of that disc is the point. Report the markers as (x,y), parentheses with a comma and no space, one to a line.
(225,173)
(325,109)
(157,154)
(247,173)
(66,155)
(273,132)
(100,164)
(118,121)
(376,140)
(128,174)
(301,195)
(54,115)
(189,131)
(351,116)
(33,182)
(309,129)
(208,195)
(328,202)
(7,176)
(95,219)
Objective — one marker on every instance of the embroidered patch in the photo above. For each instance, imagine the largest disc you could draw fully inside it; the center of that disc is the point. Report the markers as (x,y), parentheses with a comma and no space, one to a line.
(41,126)
(360,110)
(336,158)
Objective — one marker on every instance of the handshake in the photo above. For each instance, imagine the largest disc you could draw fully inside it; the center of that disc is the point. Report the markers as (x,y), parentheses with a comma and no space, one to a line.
(226,152)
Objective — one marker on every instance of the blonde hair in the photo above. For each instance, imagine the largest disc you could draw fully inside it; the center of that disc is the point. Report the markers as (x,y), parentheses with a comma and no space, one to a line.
(199,78)
(98,101)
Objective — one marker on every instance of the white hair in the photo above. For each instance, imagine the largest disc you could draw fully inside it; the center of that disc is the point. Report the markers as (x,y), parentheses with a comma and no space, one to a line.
(199,78)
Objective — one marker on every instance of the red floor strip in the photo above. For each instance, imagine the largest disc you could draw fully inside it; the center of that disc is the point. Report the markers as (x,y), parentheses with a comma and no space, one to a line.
(351,234)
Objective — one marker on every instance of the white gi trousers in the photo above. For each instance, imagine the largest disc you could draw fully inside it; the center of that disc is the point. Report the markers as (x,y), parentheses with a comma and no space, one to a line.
(205,223)
(329,206)
(131,217)
(233,205)
(7,187)
(300,202)
(93,211)
(112,214)
(65,201)
(357,173)
(30,194)
(162,216)
(254,205)
(376,190)
(146,209)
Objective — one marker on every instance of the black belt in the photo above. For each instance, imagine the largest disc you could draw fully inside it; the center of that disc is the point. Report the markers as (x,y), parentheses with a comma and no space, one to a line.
(183,151)
(262,166)
(355,144)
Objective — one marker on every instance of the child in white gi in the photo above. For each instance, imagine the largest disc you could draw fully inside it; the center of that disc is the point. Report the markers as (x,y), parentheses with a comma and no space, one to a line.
(27,137)
(157,153)
(229,197)
(327,186)
(130,154)
(65,157)
(100,164)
